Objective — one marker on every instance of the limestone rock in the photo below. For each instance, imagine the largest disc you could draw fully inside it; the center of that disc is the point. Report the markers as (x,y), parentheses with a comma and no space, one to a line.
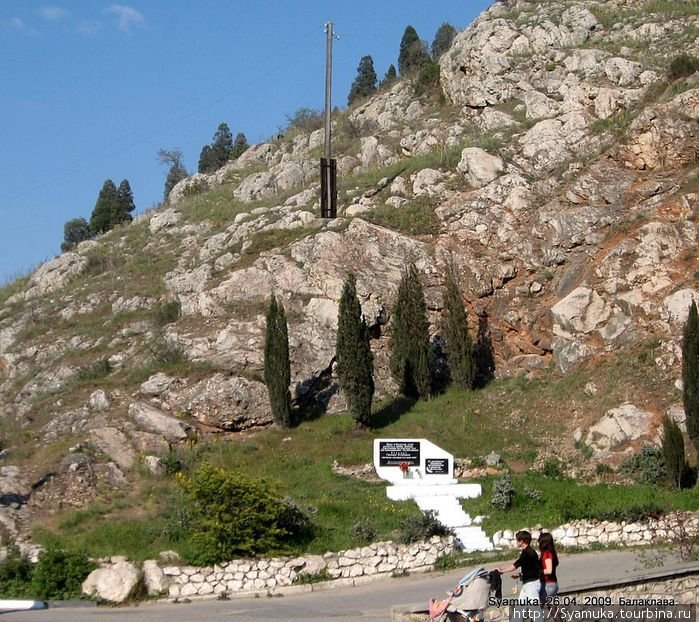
(619,425)
(113,584)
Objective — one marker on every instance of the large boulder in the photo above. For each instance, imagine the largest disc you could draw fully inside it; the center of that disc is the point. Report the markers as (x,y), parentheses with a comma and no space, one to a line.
(114,583)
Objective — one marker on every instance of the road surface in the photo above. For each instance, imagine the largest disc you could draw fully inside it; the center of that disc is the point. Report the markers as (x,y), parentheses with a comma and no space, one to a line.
(371,602)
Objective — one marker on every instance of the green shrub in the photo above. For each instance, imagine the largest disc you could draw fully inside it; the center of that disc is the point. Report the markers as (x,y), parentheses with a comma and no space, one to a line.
(233,515)
(59,575)
(94,371)
(503,493)
(168,312)
(552,468)
(427,81)
(423,527)
(682,66)
(16,575)
(363,532)
(647,466)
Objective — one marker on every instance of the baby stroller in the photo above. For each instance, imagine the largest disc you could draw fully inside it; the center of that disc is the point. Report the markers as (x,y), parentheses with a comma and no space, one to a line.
(468,600)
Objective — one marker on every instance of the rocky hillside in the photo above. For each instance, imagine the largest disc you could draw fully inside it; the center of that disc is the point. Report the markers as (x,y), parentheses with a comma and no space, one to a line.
(556,170)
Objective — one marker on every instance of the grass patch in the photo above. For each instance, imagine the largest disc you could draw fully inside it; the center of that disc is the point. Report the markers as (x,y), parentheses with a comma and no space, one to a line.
(416,217)
(563,499)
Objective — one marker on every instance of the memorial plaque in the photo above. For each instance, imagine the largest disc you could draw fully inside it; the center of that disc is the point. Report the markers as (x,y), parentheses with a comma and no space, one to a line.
(392,453)
(436,466)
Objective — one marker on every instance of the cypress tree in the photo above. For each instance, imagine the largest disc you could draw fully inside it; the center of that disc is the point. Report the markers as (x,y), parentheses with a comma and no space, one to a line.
(457,340)
(410,341)
(673,453)
(124,204)
(222,147)
(364,84)
(390,78)
(443,39)
(277,367)
(240,145)
(412,55)
(176,171)
(107,205)
(206,160)
(355,362)
(690,374)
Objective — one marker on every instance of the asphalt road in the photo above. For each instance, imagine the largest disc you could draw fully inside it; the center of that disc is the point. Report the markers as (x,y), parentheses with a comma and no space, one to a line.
(370,602)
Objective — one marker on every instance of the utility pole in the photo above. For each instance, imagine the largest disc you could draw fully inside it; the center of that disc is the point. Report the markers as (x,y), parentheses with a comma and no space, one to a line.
(328,166)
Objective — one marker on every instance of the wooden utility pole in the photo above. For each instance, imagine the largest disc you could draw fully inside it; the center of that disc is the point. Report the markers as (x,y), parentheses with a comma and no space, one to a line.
(328,168)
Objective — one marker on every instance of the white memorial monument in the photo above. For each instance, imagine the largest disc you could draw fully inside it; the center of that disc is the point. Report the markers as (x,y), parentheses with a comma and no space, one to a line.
(419,470)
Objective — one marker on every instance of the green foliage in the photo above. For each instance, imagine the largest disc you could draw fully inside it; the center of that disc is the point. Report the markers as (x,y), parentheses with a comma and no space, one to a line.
(647,466)
(443,39)
(458,344)
(277,366)
(410,340)
(364,84)
(15,575)
(413,54)
(59,575)
(389,78)
(682,66)
(414,218)
(234,515)
(422,527)
(678,471)
(503,493)
(363,532)
(355,362)
(427,80)
(114,206)
(94,371)
(75,231)
(305,578)
(690,373)
(167,312)
(552,467)
(221,150)
(176,171)
(305,120)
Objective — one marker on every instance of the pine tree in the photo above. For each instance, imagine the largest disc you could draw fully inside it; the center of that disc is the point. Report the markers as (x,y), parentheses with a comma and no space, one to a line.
(277,367)
(673,453)
(410,341)
(240,145)
(443,39)
(355,362)
(390,78)
(75,231)
(222,146)
(176,171)
(690,373)
(457,340)
(107,205)
(125,204)
(412,55)
(364,84)
(206,160)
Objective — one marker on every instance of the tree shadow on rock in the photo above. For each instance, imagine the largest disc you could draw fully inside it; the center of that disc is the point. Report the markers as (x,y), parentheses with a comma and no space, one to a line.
(391,411)
(483,355)
(313,396)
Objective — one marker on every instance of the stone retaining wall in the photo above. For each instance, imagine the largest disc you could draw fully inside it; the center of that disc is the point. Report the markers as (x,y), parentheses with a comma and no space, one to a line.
(269,574)
(587,533)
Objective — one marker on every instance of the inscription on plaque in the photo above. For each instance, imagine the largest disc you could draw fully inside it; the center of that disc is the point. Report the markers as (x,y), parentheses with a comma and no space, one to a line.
(392,453)
(436,466)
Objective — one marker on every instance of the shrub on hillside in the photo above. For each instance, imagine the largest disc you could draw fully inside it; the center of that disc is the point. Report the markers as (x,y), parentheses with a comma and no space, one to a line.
(503,493)
(16,575)
(59,575)
(647,466)
(682,66)
(423,527)
(231,514)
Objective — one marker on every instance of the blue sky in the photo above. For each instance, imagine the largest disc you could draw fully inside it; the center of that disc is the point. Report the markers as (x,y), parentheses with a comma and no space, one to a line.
(91,90)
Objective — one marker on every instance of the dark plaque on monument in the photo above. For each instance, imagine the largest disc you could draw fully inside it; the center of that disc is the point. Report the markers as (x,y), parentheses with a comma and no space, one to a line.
(392,453)
(436,466)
